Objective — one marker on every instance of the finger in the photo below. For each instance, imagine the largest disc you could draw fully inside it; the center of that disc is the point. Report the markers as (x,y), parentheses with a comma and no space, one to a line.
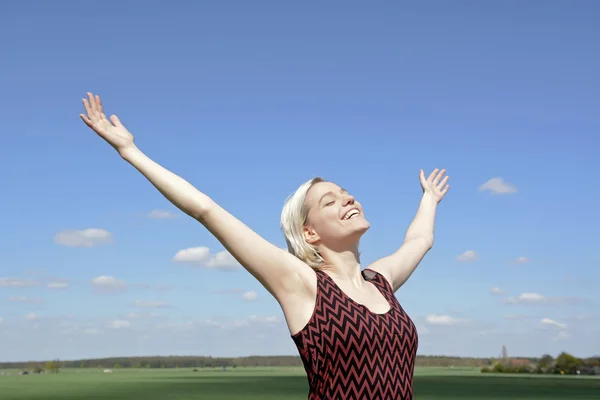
(438,177)
(435,171)
(93,103)
(115,120)
(99,105)
(443,182)
(422,179)
(87,121)
(445,190)
(88,108)
(90,123)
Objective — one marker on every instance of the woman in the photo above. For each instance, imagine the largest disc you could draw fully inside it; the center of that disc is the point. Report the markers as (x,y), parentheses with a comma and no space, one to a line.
(354,338)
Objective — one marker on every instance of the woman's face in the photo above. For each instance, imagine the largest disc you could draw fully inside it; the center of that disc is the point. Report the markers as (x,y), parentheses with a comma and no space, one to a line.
(335,218)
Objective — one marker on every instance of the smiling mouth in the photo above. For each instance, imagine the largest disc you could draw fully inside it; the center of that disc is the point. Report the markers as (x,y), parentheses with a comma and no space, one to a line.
(351,214)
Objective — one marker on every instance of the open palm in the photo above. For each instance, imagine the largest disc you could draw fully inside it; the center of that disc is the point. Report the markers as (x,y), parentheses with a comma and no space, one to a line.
(110,130)
(433,186)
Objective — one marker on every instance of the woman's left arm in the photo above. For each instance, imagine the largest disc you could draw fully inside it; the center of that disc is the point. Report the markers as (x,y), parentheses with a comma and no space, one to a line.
(400,265)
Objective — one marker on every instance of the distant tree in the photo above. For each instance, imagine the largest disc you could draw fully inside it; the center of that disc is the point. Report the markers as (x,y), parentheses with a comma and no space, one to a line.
(499,367)
(53,366)
(567,363)
(545,364)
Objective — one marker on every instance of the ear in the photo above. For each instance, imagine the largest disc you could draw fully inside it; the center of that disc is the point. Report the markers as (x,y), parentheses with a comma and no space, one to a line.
(310,235)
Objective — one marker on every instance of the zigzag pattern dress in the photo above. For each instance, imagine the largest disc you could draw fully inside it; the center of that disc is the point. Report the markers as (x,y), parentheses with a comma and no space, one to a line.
(351,353)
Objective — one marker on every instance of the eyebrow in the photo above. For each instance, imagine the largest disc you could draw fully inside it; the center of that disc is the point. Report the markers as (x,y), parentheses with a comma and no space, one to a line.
(342,190)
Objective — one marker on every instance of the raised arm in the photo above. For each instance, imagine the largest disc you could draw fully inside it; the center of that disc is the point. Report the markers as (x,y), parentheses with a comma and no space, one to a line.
(282,274)
(400,265)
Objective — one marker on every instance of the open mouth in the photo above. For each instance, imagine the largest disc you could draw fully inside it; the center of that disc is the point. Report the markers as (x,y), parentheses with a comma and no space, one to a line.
(353,213)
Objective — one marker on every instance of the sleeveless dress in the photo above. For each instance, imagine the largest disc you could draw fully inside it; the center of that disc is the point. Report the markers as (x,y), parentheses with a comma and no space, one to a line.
(351,353)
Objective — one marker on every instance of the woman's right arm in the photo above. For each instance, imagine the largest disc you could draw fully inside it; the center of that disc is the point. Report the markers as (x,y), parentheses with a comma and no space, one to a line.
(278,271)
(282,274)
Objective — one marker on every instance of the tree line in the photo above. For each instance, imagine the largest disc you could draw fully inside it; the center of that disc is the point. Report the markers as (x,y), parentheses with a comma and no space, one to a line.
(564,363)
(546,363)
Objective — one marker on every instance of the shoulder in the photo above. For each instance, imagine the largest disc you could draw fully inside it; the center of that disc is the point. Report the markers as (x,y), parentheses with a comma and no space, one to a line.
(298,304)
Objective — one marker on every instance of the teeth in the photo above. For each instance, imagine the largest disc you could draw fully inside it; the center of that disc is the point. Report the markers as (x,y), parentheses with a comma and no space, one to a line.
(351,214)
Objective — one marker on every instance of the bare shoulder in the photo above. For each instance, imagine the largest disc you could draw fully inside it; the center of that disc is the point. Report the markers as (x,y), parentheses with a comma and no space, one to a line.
(293,281)
(298,302)
(299,286)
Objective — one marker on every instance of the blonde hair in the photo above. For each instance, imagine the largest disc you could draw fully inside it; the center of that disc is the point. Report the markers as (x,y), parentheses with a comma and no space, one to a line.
(293,218)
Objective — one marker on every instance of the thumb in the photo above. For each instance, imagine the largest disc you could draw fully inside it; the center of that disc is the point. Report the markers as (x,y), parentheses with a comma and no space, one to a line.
(115,120)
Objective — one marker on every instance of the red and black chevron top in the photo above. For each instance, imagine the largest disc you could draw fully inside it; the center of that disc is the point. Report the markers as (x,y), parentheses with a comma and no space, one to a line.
(351,353)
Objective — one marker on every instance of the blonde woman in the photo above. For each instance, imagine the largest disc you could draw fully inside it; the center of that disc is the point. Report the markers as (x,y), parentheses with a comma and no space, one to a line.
(354,338)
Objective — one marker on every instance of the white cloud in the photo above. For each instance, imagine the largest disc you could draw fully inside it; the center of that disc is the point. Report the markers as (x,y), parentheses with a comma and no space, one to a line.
(222,260)
(108,281)
(105,283)
(32,317)
(250,296)
(16,282)
(119,323)
(1,320)
(83,238)
(548,321)
(202,256)
(24,299)
(192,255)
(58,285)
(498,186)
(160,214)
(469,255)
(521,260)
(527,298)
(434,319)
(497,290)
(150,304)
(536,298)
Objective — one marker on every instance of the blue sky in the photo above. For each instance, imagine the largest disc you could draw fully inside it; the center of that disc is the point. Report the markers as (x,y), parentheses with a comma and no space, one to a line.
(249,101)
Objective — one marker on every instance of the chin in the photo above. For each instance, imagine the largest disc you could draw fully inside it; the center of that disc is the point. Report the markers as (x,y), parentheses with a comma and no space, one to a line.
(362,227)
(362,221)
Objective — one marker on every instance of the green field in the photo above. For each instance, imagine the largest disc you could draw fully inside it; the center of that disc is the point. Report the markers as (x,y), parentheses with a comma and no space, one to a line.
(278,383)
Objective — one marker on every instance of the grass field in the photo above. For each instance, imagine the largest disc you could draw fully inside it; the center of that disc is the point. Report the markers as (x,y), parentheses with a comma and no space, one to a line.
(278,383)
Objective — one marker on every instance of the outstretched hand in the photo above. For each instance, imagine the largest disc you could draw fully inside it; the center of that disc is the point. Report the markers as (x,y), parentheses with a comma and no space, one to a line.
(110,130)
(432,184)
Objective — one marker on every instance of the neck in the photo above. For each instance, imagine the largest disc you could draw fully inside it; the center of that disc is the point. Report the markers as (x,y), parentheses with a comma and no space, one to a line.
(343,264)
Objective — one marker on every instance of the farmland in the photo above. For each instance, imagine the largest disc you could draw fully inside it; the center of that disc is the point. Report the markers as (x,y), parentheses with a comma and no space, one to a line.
(278,383)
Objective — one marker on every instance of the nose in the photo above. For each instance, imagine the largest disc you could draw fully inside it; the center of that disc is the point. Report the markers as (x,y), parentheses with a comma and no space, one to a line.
(348,199)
